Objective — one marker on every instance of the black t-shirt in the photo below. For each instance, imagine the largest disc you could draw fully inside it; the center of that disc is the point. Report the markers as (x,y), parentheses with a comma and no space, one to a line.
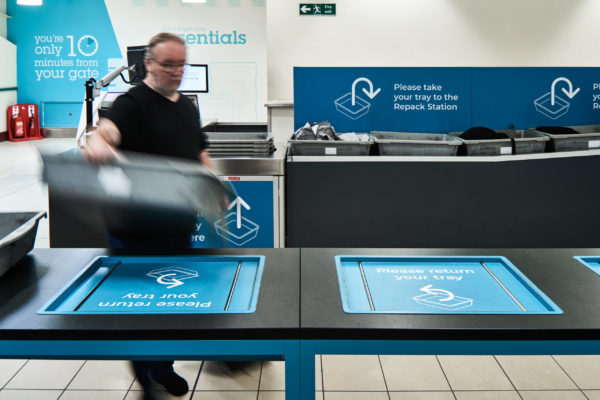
(151,123)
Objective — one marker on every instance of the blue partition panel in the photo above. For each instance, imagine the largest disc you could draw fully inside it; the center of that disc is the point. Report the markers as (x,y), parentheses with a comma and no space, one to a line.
(438,285)
(156,285)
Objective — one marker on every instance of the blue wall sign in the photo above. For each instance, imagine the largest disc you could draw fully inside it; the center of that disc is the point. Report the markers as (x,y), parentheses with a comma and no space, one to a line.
(442,100)
(56,58)
(249,221)
(438,285)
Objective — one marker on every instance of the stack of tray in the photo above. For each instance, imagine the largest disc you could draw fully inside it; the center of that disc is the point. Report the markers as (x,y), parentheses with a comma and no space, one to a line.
(224,144)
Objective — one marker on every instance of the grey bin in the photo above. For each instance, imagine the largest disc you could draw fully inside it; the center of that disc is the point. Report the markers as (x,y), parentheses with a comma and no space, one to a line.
(526,141)
(328,148)
(17,236)
(587,138)
(492,147)
(415,144)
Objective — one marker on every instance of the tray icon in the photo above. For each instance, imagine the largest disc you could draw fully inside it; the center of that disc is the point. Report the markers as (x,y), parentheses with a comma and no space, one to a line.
(227,228)
(544,106)
(344,105)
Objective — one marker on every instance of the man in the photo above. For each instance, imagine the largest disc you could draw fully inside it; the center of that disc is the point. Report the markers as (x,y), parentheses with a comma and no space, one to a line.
(152,118)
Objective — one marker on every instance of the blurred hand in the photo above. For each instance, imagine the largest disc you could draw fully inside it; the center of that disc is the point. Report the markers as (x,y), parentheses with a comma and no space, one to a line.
(96,150)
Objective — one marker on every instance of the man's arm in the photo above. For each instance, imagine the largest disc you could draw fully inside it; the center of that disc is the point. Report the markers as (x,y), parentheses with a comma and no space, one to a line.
(101,145)
(205,159)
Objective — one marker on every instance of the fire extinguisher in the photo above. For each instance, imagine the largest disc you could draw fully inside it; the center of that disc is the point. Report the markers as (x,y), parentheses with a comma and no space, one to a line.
(18,127)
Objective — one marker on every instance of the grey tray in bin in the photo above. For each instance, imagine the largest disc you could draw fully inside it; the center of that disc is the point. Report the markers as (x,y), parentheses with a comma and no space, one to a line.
(587,138)
(415,144)
(17,236)
(328,148)
(492,147)
(526,141)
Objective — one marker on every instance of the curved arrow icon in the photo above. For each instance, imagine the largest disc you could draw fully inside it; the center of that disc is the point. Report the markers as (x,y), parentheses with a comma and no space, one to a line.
(172,281)
(570,93)
(369,93)
(428,289)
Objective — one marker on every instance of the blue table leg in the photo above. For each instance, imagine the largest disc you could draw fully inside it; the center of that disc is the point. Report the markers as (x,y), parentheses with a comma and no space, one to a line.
(292,369)
(307,370)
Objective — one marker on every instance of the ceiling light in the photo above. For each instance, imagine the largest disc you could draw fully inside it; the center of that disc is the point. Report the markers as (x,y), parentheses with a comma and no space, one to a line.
(29,2)
(193,1)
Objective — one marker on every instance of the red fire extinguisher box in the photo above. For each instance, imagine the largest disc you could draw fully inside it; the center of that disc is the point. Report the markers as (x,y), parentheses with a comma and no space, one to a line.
(23,122)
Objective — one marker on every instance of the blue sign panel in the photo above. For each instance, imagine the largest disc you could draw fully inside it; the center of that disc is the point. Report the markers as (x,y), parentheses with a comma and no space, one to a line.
(248,223)
(155,285)
(438,285)
(386,99)
(442,100)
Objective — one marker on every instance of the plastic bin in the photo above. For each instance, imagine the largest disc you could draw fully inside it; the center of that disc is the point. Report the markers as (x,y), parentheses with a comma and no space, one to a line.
(526,141)
(587,138)
(415,144)
(17,236)
(492,147)
(328,148)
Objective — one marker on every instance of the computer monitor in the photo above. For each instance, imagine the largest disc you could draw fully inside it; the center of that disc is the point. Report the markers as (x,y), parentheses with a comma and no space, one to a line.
(195,79)
(135,56)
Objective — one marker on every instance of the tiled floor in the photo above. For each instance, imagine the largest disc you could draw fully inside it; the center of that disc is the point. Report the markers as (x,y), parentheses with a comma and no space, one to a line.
(337,377)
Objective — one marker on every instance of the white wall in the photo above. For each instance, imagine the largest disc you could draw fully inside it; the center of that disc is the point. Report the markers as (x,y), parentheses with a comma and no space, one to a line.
(2,18)
(8,78)
(430,33)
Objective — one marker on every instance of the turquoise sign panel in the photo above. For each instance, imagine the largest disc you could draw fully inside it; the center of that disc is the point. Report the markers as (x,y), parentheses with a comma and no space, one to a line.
(592,263)
(157,285)
(438,285)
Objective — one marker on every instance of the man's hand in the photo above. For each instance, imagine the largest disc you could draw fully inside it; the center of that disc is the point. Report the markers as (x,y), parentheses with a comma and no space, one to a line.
(100,145)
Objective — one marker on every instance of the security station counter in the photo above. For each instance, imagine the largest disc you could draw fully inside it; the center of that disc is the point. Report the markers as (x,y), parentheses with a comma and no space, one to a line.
(70,304)
(447,302)
(514,201)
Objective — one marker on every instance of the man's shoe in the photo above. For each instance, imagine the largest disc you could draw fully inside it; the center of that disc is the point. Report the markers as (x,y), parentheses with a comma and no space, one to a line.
(172,382)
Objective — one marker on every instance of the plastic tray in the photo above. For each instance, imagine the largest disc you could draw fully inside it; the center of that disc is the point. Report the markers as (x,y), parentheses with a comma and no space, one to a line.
(492,147)
(415,144)
(526,141)
(438,285)
(328,148)
(588,138)
(17,236)
(158,285)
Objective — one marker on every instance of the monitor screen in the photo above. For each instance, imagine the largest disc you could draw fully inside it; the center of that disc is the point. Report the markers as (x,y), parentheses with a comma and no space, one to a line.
(135,56)
(195,79)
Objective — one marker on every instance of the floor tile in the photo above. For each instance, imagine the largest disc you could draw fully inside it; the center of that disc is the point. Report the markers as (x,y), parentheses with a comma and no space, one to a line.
(188,370)
(276,395)
(273,376)
(107,375)
(8,394)
(552,395)
(352,373)
(584,370)
(487,395)
(419,373)
(319,396)
(229,376)
(474,373)
(8,368)
(248,395)
(421,396)
(535,373)
(45,374)
(93,395)
(318,374)
(592,394)
(355,396)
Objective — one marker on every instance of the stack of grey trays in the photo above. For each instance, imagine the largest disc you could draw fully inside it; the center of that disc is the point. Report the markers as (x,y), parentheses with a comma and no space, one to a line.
(231,144)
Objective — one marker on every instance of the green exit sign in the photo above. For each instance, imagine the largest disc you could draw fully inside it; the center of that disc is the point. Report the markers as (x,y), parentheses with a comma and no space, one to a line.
(317,9)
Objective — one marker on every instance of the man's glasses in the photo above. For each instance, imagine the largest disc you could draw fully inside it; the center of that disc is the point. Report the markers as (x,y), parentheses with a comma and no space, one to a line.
(170,67)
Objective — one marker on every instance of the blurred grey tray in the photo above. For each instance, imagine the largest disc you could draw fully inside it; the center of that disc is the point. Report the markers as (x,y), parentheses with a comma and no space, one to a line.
(17,236)
(143,183)
(482,147)
(245,137)
(587,138)
(328,148)
(527,142)
(415,144)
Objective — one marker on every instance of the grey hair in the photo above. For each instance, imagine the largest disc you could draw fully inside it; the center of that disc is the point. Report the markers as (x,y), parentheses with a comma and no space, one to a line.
(161,38)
